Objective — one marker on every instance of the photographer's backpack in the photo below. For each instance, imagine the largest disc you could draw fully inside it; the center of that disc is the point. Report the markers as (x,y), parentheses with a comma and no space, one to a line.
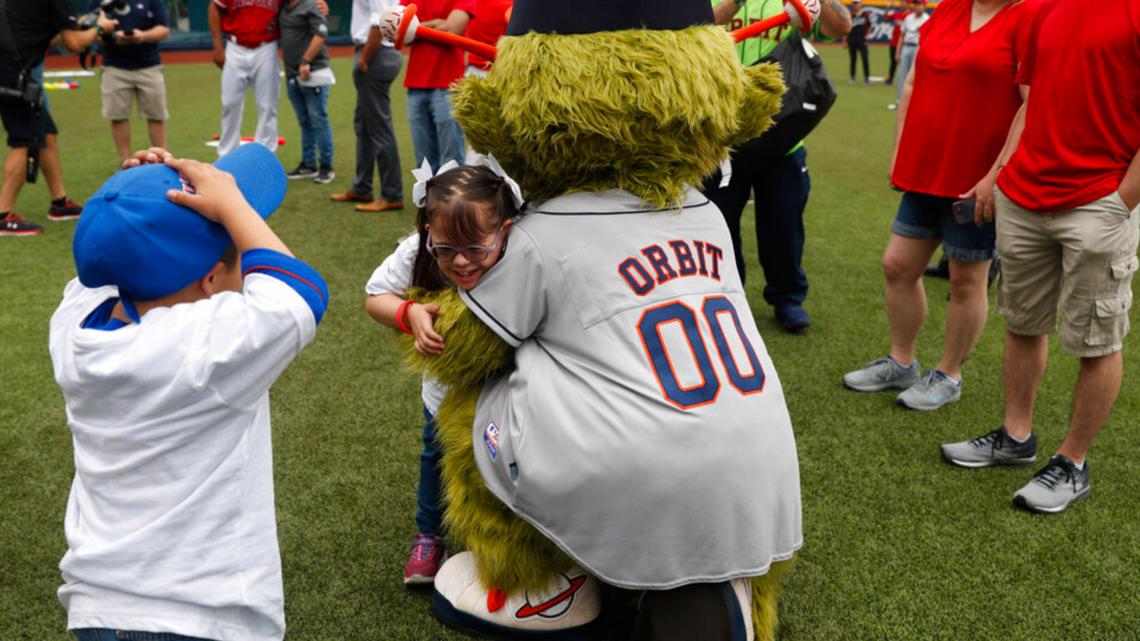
(808,98)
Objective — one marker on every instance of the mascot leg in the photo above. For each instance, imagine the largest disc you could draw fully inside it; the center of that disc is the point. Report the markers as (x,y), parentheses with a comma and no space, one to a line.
(705,611)
(512,583)
(739,610)
(509,552)
(765,590)
(566,609)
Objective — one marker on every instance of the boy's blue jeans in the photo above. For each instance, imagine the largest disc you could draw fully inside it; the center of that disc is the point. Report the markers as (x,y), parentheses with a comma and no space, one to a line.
(429,494)
(435,133)
(104,634)
(311,106)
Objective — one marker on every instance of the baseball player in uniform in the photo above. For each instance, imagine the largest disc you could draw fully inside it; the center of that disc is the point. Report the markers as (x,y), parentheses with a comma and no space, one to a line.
(245,48)
(655,388)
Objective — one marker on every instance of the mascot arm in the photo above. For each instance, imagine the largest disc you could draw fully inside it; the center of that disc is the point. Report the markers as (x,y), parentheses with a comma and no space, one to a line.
(510,554)
(761,102)
(472,352)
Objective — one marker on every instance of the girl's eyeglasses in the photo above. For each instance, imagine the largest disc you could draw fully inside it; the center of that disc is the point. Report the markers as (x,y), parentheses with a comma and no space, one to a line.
(473,253)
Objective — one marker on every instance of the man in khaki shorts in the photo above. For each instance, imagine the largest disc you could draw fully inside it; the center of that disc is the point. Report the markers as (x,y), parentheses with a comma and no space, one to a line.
(1067,235)
(132,71)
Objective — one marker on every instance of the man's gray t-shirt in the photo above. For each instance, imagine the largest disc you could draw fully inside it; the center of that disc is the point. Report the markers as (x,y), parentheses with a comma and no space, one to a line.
(643,427)
(297,26)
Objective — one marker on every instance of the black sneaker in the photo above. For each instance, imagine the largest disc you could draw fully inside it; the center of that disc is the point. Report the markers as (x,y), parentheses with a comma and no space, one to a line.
(1054,486)
(995,448)
(941,270)
(325,175)
(302,171)
(13,225)
(70,210)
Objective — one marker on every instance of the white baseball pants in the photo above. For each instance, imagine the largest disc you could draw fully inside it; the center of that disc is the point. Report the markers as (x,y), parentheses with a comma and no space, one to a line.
(247,67)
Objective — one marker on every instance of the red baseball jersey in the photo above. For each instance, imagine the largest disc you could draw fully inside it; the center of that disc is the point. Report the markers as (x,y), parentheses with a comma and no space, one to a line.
(432,66)
(249,22)
(488,25)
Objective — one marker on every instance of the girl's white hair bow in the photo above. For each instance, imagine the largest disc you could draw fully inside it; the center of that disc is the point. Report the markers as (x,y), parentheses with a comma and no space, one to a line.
(424,174)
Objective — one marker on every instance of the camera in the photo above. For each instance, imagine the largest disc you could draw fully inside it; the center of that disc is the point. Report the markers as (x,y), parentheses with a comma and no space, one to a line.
(26,91)
(109,7)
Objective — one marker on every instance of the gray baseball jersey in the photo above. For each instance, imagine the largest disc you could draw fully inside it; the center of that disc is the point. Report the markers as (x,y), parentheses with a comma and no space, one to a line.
(643,427)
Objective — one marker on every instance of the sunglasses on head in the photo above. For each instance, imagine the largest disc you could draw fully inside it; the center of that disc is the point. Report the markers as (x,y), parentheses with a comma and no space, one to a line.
(475,253)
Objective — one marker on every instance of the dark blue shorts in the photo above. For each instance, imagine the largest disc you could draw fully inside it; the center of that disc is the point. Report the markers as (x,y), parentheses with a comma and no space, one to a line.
(25,127)
(925,216)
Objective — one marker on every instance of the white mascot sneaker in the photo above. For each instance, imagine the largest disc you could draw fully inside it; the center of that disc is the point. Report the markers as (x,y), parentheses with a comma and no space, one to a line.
(567,610)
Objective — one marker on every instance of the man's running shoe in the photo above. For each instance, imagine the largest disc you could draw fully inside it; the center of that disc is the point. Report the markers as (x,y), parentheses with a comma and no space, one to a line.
(302,171)
(325,175)
(995,448)
(69,210)
(1054,486)
(13,225)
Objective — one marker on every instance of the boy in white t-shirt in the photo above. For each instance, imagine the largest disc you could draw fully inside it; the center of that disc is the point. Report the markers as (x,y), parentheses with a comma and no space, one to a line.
(186,310)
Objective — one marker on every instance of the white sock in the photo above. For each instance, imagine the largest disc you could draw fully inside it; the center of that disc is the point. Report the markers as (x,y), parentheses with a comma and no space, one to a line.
(956,381)
(907,366)
(1018,440)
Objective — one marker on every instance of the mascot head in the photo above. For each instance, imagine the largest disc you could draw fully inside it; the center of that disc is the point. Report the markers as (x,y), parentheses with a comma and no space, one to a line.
(589,95)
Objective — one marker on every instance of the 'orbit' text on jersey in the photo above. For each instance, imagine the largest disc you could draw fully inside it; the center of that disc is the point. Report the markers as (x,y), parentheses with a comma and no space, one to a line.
(660,265)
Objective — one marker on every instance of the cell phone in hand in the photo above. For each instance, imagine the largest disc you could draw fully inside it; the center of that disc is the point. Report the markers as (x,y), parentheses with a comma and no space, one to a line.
(129,32)
(964,210)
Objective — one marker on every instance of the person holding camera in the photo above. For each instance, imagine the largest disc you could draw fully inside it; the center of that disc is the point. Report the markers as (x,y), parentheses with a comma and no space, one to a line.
(26,30)
(132,70)
(946,151)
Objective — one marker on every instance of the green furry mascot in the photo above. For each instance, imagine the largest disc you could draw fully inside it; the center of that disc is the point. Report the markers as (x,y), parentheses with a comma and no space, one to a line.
(613,414)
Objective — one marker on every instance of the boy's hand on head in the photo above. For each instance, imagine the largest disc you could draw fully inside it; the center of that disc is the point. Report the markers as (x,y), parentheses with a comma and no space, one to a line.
(146,157)
(421,319)
(214,194)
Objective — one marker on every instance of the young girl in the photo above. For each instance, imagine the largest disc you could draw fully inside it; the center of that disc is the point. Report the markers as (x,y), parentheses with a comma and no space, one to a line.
(463,220)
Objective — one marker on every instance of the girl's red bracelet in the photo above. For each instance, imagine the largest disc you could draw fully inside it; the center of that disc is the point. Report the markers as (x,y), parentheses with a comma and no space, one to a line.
(402,316)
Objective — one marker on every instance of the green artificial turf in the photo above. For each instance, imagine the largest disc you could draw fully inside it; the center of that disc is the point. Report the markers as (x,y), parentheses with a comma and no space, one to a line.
(898,545)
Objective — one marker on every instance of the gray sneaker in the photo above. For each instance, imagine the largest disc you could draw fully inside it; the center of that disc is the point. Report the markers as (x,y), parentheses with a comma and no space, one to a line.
(932,392)
(882,374)
(1054,486)
(995,448)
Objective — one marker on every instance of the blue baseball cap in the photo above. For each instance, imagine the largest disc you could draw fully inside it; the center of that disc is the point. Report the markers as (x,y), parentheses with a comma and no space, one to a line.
(131,236)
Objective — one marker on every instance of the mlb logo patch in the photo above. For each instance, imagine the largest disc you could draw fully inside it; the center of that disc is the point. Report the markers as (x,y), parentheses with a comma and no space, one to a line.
(491,440)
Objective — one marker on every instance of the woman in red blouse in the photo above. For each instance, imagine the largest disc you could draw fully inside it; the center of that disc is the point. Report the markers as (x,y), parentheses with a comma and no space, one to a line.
(958,105)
